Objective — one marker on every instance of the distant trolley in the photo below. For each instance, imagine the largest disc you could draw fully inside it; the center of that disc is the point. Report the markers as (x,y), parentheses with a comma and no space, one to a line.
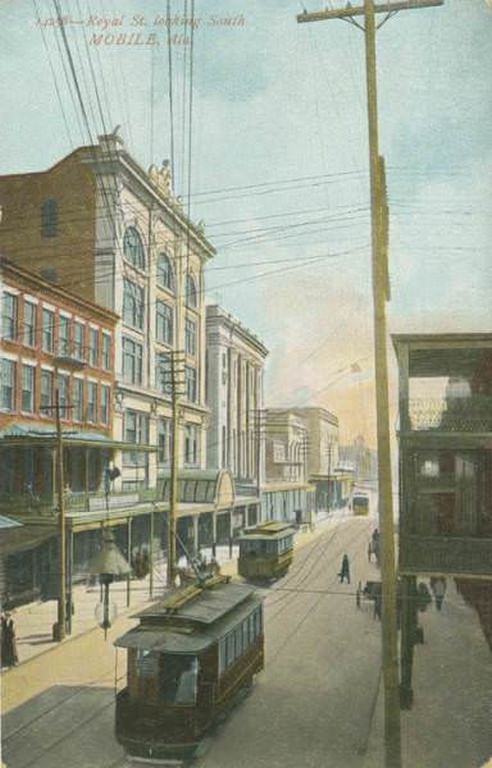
(360,504)
(189,660)
(266,551)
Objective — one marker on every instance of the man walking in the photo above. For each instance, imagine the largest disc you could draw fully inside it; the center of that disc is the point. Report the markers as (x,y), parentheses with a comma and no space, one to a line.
(345,570)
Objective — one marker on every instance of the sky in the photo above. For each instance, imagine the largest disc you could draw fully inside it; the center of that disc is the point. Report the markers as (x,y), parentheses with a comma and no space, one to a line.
(278,168)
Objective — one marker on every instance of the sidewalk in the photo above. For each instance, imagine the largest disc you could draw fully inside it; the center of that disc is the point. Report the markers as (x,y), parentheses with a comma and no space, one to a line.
(450,723)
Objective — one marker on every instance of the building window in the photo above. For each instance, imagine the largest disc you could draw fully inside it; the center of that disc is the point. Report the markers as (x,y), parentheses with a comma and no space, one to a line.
(78,400)
(164,323)
(190,337)
(64,335)
(191,444)
(28,372)
(132,361)
(63,384)
(78,341)
(164,441)
(190,294)
(91,401)
(9,316)
(106,351)
(165,272)
(104,405)
(49,218)
(46,392)
(133,304)
(7,385)
(279,453)
(191,387)
(133,249)
(48,330)
(29,324)
(136,427)
(93,347)
(163,373)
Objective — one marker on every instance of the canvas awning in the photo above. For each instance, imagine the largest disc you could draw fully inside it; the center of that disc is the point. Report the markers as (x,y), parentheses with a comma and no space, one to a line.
(24,538)
(23,435)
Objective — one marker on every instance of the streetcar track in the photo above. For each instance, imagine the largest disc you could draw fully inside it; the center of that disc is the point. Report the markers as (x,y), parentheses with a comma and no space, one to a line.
(283,598)
(83,688)
(68,733)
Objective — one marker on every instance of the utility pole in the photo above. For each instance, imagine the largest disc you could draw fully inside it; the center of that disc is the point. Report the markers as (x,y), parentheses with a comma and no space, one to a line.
(380,286)
(259,422)
(177,359)
(62,555)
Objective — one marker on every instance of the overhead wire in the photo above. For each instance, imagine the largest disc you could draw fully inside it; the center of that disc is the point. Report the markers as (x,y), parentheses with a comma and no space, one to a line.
(170,76)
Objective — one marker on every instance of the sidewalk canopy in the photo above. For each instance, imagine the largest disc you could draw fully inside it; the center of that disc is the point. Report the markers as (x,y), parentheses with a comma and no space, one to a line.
(41,435)
(24,537)
(7,523)
(210,486)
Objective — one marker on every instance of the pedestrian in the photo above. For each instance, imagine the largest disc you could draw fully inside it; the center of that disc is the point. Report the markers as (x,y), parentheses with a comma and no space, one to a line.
(145,562)
(378,601)
(358,594)
(345,570)
(9,644)
(438,586)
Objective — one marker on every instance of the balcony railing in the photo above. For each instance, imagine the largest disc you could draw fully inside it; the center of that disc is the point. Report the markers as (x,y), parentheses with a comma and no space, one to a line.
(460,414)
(75,502)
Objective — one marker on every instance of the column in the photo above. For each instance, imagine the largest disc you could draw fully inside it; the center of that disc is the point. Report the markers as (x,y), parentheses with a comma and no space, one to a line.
(214,532)
(196,542)
(408,599)
(129,559)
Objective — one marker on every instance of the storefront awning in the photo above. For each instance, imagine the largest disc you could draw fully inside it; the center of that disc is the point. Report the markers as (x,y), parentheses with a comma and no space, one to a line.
(23,538)
(30,436)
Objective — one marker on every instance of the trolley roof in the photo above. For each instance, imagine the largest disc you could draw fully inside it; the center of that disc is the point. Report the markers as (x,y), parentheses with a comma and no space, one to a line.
(230,604)
(203,603)
(271,530)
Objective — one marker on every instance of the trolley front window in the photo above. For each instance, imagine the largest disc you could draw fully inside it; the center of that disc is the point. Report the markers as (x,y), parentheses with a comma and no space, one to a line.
(178,679)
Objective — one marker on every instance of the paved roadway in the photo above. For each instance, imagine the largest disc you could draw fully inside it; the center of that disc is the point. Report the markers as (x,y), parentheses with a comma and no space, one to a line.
(312,706)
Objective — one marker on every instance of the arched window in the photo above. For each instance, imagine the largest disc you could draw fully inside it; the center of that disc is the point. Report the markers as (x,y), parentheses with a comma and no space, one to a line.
(191,295)
(165,272)
(133,249)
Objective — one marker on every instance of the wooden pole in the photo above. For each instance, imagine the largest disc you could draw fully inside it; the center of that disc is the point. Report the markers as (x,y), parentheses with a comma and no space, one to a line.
(385,489)
(174,489)
(62,559)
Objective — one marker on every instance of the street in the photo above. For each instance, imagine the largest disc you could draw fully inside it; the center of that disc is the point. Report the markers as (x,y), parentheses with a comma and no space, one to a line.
(318,701)
(319,649)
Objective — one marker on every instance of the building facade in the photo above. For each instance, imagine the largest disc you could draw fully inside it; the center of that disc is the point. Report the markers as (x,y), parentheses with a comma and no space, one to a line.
(286,494)
(116,235)
(235,362)
(445,459)
(333,482)
(56,353)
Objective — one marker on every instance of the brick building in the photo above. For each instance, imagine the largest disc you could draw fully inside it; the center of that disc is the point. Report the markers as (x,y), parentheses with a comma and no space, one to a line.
(52,341)
(115,234)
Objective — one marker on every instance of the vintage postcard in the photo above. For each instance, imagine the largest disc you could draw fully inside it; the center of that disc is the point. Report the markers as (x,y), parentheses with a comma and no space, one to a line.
(246,383)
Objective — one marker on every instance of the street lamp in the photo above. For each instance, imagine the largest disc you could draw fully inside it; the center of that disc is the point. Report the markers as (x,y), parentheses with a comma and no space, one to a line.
(108,564)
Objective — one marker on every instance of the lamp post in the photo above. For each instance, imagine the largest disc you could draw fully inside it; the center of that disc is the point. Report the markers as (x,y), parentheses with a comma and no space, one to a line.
(108,564)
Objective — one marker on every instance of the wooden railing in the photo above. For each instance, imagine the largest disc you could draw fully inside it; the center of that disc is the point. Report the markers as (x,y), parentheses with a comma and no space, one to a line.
(457,414)
(38,506)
